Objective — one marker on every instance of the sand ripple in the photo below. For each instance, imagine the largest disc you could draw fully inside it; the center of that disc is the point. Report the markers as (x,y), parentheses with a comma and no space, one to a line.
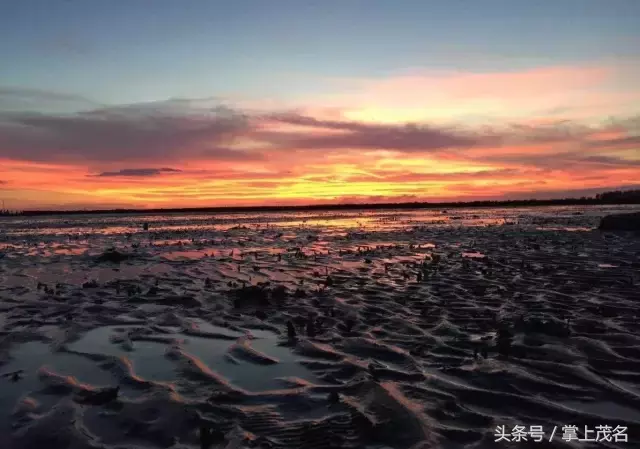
(411,329)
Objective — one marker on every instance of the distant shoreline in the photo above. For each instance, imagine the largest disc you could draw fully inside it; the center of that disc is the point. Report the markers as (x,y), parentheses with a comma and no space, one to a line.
(331,207)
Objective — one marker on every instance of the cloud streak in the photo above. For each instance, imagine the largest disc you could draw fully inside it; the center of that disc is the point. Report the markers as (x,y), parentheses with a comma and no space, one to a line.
(354,135)
(138,172)
(118,135)
(138,133)
(15,99)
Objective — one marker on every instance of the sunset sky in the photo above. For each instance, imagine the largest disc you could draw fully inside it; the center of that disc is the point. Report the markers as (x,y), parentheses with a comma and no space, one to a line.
(176,103)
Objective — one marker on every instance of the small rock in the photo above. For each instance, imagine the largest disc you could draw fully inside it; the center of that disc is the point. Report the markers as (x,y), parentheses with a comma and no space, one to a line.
(620,222)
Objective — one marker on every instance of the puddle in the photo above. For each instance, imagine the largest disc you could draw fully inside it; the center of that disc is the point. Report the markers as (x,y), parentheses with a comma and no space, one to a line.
(203,326)
(148,358)
(247,375)
(30,357)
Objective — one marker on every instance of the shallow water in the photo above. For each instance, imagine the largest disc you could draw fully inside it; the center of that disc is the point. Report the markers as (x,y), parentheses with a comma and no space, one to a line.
(404,298)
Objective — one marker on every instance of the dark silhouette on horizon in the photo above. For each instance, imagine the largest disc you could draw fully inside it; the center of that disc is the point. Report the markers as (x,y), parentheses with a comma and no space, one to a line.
(612,197)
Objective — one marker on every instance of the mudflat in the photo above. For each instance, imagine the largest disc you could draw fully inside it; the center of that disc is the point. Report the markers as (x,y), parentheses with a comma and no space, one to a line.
(353,329)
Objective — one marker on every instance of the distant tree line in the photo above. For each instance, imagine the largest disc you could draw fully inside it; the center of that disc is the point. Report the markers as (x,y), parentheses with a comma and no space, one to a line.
(619,195)
(612,197)
(7,212)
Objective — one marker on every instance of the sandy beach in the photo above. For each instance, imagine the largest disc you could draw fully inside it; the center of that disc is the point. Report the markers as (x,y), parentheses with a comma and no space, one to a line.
(354,329)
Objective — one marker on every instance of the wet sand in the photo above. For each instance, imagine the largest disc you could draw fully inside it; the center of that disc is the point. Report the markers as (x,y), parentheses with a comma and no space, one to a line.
(412,328)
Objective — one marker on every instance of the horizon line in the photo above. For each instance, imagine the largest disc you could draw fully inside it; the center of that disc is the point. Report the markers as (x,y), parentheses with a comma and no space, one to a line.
(630,199)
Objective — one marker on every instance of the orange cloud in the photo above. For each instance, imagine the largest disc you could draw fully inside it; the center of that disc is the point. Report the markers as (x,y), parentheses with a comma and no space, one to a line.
(341,147)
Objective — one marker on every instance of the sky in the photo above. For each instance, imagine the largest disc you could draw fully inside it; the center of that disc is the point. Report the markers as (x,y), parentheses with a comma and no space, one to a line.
(164,103)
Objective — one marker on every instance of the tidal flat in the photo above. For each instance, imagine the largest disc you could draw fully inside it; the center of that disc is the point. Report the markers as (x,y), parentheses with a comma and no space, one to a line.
(352,329)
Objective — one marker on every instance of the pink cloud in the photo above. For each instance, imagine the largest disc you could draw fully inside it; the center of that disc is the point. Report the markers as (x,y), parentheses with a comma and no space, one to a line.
(448,95)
